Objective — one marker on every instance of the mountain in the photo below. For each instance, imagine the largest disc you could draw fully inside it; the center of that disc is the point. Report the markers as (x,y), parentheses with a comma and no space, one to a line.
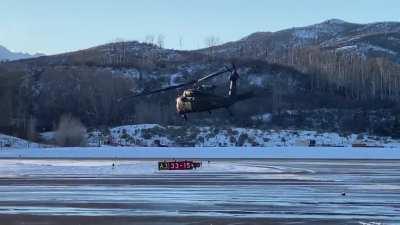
(358,60)
(332,76)
(7,55)
(366,40)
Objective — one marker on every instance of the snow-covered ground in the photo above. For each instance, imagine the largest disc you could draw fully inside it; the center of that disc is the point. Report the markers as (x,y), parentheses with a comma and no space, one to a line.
(7,141)
(148,141)
(205,153)
(149,134)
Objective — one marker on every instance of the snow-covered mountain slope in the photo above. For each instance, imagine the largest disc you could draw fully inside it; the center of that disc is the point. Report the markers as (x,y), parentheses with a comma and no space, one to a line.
(369,40)
(7,55)
(319,32)
(7,141)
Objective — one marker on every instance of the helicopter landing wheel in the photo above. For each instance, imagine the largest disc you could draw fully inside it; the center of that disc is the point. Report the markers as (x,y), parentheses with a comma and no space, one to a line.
(184,117)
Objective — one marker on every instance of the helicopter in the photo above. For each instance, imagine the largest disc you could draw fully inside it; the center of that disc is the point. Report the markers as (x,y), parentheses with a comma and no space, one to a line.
(200,98)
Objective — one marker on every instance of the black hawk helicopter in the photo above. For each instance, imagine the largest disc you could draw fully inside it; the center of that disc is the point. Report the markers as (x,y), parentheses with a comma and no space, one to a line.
(199,98)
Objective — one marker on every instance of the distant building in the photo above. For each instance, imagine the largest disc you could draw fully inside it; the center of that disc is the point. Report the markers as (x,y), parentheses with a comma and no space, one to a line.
(309,143)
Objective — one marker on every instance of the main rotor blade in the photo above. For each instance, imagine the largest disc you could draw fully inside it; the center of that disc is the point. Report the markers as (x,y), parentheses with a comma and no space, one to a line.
(167,88)
(182,85)
(175,86)
(157,91)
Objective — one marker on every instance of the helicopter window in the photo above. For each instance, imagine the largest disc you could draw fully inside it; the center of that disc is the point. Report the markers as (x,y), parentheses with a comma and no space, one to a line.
(187,93)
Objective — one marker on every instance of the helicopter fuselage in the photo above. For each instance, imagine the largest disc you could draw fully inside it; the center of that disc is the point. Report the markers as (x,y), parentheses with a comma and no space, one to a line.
(201,97)
(193,100)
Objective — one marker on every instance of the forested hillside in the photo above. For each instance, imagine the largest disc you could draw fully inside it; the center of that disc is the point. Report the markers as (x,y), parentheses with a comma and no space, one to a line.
(356,60)
(333,76)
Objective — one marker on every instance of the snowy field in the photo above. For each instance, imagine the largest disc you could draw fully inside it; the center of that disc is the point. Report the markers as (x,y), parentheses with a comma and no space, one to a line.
(204,153)
(7,141)
(146,134)
(154,135)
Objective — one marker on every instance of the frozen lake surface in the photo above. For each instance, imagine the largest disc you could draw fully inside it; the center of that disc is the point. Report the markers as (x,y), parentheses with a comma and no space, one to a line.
(274,191)
(203,153)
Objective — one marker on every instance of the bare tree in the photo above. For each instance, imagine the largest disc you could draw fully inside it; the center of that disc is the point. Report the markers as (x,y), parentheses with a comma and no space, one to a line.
(180,42)
(31,129)
(160,40)
(149,39)
(211,42)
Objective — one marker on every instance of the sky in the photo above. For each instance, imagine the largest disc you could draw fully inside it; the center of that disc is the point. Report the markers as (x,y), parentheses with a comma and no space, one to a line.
(51,26)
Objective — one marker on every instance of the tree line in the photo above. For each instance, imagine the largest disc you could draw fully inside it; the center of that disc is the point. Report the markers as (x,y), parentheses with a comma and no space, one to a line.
(348,73)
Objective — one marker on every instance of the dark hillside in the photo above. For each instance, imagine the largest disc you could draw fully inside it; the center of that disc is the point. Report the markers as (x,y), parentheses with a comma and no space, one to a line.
(334,76)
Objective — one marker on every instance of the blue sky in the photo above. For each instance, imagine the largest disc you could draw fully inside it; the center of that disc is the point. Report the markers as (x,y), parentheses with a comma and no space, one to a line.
(52,26)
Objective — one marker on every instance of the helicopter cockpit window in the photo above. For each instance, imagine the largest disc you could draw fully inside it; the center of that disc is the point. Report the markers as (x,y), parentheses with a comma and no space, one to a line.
(187,93)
